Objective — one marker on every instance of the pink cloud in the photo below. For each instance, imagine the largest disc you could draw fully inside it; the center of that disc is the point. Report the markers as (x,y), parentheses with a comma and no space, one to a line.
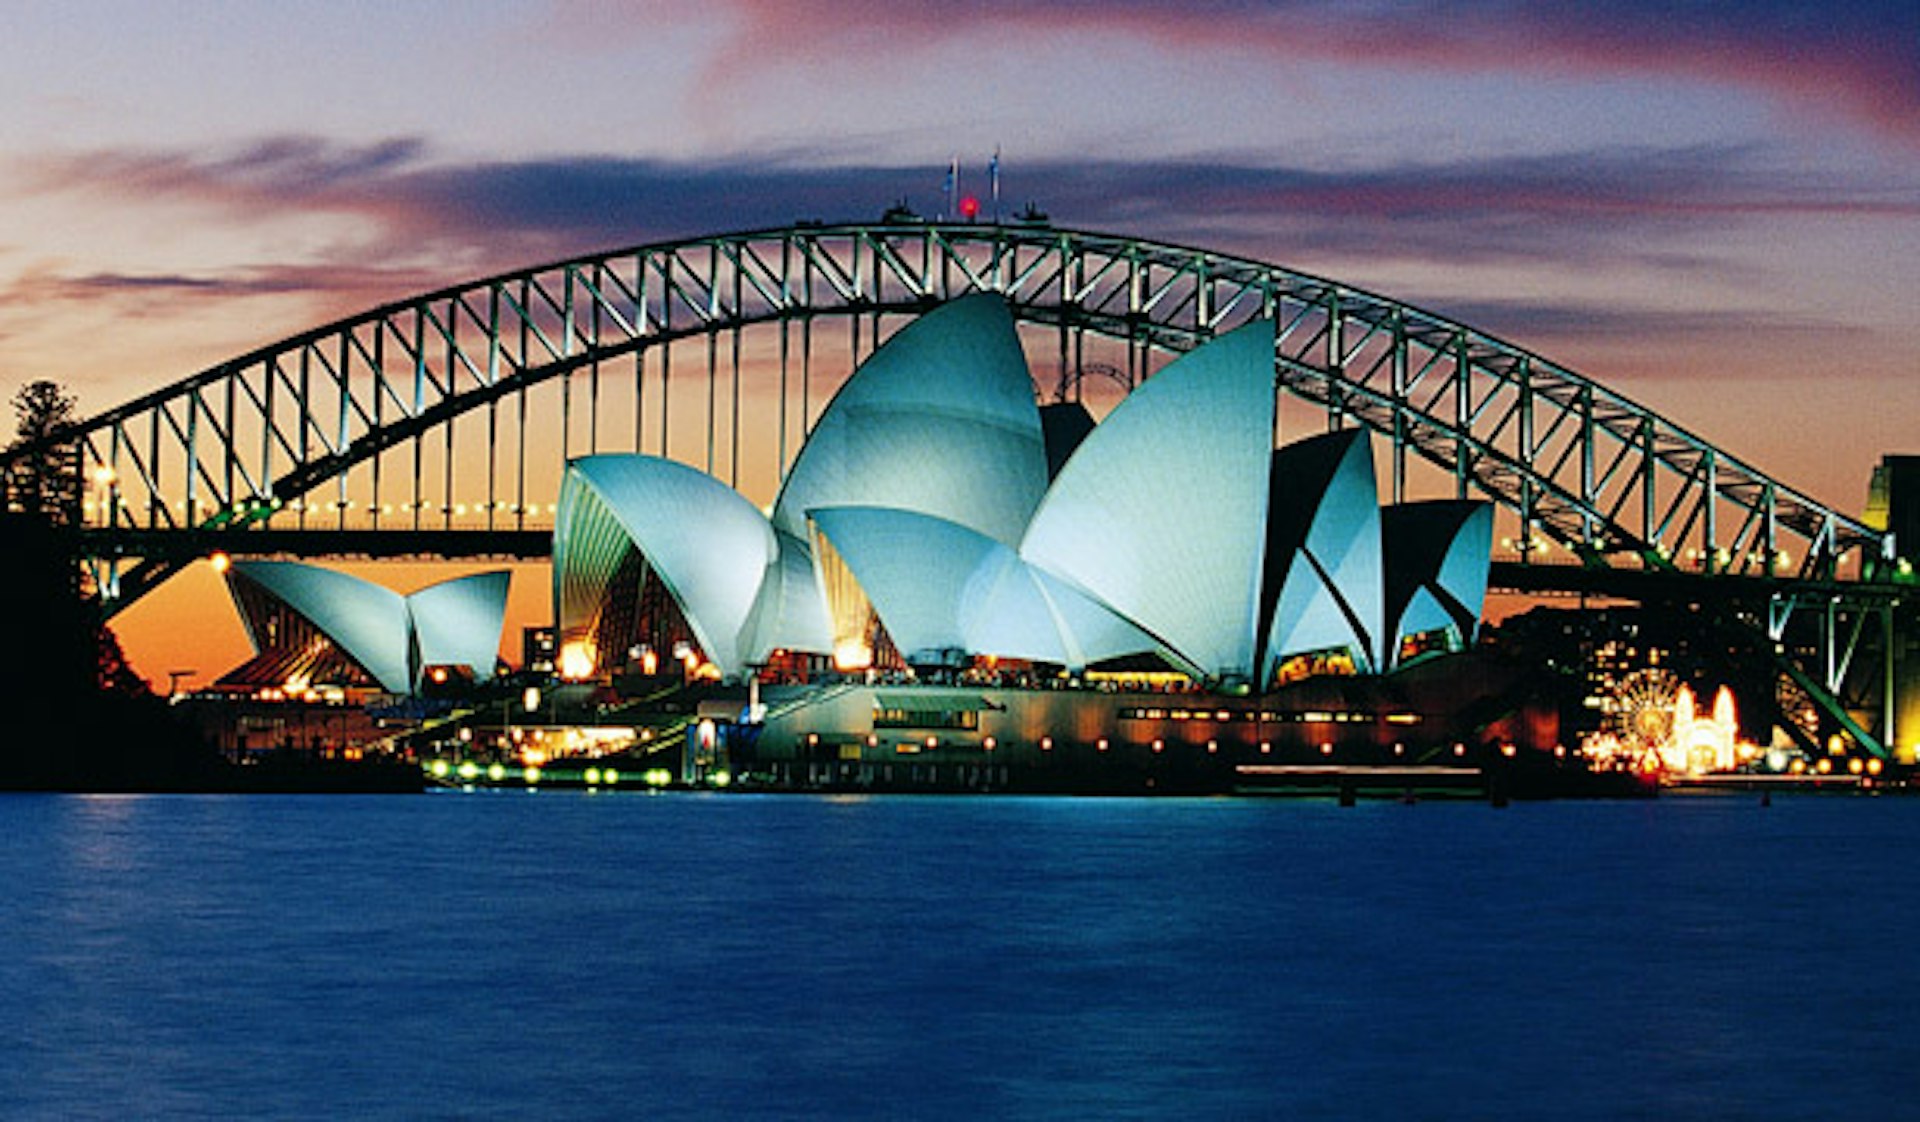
(1858,61)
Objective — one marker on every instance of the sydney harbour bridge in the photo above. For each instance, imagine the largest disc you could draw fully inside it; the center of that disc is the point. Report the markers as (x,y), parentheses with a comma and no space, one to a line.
(438,426)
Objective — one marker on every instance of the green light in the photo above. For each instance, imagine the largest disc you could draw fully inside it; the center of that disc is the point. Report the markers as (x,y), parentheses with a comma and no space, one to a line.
(593,777)
(610,776)
(496,773)
(532,774)
(469,769)
(438,768)
(721,779)
(657,777)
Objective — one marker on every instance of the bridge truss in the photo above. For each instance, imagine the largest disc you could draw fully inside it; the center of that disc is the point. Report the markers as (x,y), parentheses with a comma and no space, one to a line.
(454,412)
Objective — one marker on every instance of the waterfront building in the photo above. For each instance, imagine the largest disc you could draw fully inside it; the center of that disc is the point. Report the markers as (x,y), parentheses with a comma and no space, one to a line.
(934,523)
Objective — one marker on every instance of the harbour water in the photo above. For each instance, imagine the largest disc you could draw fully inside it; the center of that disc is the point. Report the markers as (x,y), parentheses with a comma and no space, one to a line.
(574,955)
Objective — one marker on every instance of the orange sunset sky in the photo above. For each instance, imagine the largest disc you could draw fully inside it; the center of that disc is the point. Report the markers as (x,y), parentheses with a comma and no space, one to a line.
(1712,209)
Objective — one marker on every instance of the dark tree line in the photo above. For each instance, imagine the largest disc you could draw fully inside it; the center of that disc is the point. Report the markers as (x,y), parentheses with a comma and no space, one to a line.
(77,716)
(46,481)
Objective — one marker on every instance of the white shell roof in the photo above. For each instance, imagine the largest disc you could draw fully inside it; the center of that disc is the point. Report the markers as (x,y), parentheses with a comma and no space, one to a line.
(1161,512)
(791,611)
(915,568)
(458,622)
(708,544)
(1452,542)
(1333,594)
(939,586)
(1463,574)
(366,621)
(940,419)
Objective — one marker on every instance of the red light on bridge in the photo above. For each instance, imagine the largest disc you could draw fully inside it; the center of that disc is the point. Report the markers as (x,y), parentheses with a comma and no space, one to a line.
(969,208)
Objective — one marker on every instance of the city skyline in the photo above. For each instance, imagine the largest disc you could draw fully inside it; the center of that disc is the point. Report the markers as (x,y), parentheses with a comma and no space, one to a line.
(1715,214)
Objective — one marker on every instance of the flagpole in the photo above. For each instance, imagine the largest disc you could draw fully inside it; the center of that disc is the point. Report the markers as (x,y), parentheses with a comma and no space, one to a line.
(993,177)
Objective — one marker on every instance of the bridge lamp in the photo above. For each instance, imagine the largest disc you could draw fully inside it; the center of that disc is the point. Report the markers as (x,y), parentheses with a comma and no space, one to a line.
(220,561)
(530,700)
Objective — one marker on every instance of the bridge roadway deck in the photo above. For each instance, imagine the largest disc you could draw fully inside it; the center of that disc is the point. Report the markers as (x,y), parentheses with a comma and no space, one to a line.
(529,544)
(1657,586)
(1644,585)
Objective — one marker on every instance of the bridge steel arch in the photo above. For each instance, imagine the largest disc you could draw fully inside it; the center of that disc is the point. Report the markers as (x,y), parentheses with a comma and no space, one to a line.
(258,442)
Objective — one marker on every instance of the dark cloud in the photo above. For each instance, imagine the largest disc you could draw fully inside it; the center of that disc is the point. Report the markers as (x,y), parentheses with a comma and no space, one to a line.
(424,223)
(1497,205)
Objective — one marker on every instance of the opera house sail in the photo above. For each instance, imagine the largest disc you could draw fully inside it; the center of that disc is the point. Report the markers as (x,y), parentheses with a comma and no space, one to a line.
(311,627)
(923,517)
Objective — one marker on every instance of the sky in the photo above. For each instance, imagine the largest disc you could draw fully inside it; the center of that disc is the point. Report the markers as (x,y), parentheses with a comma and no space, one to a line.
(1711,208)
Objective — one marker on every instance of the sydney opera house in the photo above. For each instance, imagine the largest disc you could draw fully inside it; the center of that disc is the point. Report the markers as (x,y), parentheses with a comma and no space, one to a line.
(956,585)
(921,519)
(975,574)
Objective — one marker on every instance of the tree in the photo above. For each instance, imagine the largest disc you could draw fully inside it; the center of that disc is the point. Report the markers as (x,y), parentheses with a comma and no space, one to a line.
(46,481)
